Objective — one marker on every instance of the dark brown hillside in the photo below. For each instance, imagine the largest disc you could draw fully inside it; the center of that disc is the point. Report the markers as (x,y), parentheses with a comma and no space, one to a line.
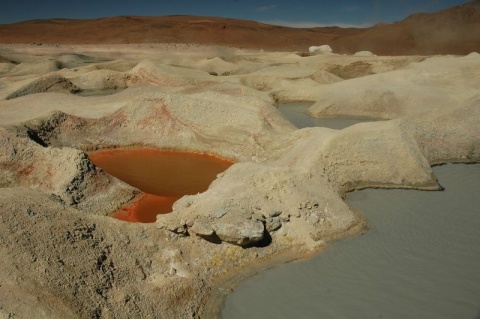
(452,31)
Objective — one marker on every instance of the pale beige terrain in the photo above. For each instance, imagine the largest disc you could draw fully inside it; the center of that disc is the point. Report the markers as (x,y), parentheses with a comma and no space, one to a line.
(63,257)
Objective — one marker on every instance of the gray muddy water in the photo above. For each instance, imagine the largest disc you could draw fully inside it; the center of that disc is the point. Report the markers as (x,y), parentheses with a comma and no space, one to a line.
(296,112)
(420,259)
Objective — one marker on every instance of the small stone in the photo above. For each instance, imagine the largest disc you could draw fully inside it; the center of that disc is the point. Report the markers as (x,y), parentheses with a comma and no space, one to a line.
(273,224)
(172,271)
(238,230)
(30,212)
(202,228)
(181,230)
(275,213)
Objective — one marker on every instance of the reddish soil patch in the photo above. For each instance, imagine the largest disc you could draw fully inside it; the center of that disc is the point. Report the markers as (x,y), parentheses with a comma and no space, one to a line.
(163,175)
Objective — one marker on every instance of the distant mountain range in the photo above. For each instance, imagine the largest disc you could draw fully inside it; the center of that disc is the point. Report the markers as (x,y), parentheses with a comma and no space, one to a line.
(452,31)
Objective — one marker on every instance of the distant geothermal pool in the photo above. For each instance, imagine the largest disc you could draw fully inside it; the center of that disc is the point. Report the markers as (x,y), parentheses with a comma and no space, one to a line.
(163,175)
(420,259)
(296,112)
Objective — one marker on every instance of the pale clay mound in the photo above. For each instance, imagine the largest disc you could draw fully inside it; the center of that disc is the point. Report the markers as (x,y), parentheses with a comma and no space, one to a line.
(62,257)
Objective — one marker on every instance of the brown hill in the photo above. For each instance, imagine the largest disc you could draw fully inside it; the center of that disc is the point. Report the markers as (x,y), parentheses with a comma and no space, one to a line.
(451,31)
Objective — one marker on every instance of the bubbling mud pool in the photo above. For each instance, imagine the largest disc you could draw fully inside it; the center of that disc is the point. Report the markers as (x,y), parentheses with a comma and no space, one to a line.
(163,175)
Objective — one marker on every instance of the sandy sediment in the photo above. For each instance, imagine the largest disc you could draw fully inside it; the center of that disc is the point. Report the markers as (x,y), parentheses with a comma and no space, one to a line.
(62,257)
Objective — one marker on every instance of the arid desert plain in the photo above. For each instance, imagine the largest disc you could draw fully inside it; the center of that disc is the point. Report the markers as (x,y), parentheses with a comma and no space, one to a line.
(63,256)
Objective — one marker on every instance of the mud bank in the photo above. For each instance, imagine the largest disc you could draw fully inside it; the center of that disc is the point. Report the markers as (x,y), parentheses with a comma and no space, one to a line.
(64,257)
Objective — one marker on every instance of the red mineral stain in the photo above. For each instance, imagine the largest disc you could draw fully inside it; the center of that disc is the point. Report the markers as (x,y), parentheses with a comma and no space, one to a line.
(163,175)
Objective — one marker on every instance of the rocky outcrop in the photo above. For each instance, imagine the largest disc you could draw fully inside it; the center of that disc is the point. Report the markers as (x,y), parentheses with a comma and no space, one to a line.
(447,135)
(39,68)
(418,89)
(65,173)
(236,127)
(249,200)
(52,83)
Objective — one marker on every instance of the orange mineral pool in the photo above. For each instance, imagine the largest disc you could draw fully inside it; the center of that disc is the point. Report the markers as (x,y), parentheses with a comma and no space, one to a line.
(163,175)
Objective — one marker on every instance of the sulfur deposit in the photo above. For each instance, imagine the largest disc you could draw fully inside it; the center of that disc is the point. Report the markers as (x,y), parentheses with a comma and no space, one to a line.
(63,257)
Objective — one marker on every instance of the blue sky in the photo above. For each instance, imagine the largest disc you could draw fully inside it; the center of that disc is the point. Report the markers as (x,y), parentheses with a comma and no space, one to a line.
(299,13)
